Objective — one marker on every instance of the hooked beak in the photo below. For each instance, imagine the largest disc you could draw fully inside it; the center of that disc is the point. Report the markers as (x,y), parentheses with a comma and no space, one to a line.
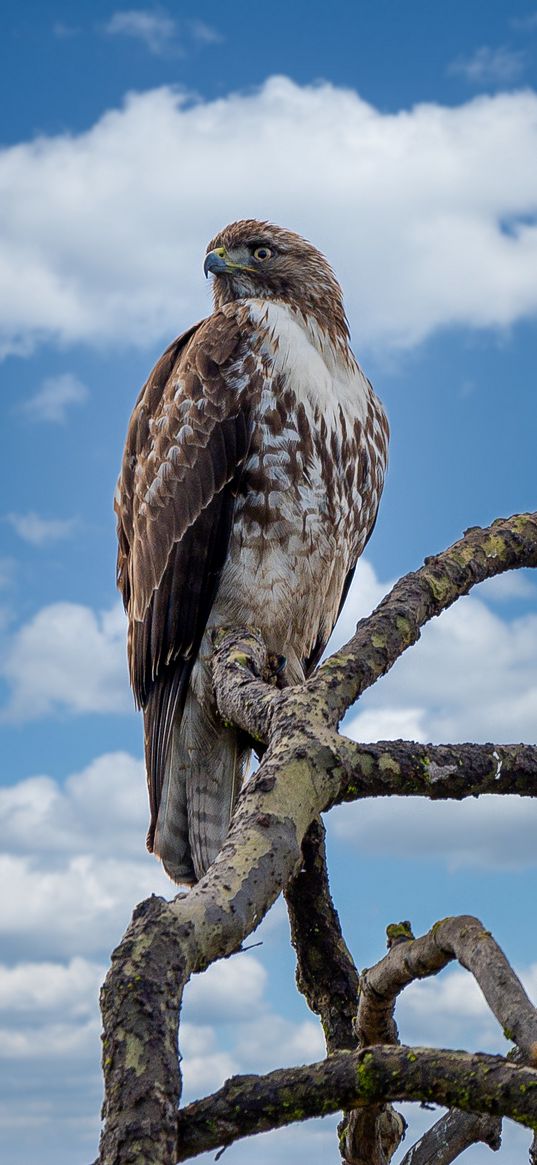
(217,262)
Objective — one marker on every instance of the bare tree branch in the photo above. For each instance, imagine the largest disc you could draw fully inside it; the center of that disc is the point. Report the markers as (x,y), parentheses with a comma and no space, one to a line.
(361,770)
(436,771)
(327,977)
(307,768)
(451,1135)
(167,942)
(254,1104)
(466,939)
(463,938)
(326,974)
(416,598)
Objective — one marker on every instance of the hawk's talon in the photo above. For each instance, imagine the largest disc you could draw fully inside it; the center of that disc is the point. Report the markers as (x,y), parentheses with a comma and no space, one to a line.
(278,664)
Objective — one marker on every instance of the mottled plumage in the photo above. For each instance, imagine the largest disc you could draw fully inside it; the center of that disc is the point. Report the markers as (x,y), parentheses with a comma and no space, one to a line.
(250,483)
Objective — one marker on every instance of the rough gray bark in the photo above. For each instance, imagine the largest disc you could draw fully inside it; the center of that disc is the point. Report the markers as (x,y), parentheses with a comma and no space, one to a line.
(326,973)
(463,938)
(451,1135)
(307,767)
(254,1104)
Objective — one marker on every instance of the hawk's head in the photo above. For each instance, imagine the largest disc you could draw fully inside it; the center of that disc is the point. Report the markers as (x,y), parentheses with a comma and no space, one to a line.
(251,259)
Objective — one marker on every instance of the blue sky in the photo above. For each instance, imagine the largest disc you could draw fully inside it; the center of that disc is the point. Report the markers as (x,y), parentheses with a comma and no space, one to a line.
(401,139)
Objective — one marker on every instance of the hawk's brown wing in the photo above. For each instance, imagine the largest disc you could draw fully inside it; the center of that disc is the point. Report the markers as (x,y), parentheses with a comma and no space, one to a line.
(186,447)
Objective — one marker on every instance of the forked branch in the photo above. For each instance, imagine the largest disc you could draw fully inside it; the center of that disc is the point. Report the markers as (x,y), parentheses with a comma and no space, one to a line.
(307,768)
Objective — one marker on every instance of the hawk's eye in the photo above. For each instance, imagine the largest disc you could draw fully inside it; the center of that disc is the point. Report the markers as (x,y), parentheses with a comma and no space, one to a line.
(262,253)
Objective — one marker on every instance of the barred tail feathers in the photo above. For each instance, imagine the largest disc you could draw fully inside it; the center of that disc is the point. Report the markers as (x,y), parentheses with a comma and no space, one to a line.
(202,780)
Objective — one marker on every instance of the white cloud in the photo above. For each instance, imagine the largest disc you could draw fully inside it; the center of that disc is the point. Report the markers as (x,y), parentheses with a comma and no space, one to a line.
(205,1064)
(411,207)
(161,34)
(365,593)
(232,988)
(270,1041)
(514,584)
(490,66)
(101,810)
(472,676)
(74,864)
(75,861)
(67,658)
(450,1010)
(81,904)
(492,832)
(39,987)
(55,397)
(204,33)
(40,531)
(49,1041)
(389,723)
(232,995)
(155,29)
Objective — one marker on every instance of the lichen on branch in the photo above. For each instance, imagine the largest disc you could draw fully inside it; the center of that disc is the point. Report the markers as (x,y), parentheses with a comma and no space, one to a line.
(307,767)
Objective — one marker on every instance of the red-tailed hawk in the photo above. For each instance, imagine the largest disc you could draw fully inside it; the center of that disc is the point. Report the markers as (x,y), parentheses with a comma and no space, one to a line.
(250,483)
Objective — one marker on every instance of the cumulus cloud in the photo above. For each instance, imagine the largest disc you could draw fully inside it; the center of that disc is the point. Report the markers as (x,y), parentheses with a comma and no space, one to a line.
(233,988)
(206,1065)
(493,832)
(38,531)
(73,859)
(56,395)
(427,214)
(449,1010)
(100,810)
(514,584)
(41,987)
(490,66)
(269,1041)
(471,676)
(67,657)
(49,1041)
(83,903)
(63,913)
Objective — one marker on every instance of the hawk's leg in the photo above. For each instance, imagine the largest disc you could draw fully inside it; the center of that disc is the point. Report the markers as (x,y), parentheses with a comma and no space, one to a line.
(278,671)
